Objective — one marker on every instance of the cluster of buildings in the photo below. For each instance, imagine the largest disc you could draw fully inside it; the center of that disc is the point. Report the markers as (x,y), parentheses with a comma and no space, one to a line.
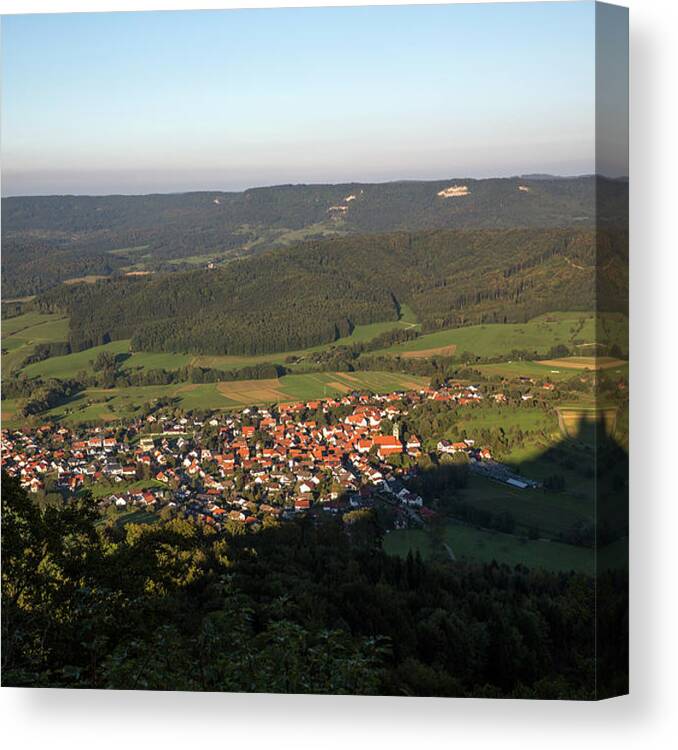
(330,455)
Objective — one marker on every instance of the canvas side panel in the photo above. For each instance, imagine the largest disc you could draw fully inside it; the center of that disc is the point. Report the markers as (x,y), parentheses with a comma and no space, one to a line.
(612,351)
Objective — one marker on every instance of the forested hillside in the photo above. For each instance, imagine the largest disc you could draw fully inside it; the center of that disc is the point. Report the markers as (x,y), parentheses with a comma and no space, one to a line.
(317,291)
(51,238)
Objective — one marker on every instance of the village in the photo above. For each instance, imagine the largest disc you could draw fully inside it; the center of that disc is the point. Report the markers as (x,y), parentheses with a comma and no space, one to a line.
(333,456)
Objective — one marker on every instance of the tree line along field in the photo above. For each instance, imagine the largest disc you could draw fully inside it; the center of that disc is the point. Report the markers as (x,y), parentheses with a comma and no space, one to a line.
(108,405)
(20,334)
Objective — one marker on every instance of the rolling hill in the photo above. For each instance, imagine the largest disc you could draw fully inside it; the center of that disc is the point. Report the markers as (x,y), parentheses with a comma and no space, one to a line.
(48,239)
(318,291)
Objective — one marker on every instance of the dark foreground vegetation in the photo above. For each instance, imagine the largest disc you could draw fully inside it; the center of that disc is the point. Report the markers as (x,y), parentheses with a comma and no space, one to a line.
(297,607)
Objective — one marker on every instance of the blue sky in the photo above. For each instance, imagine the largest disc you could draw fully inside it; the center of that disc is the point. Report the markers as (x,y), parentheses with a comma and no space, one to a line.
(145,102)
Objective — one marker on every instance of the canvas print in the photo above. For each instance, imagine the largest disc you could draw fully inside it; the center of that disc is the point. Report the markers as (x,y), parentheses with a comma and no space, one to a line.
(315,350)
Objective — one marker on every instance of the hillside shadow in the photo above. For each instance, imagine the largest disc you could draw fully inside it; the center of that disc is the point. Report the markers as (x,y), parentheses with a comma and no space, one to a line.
(574,492)
(588,470)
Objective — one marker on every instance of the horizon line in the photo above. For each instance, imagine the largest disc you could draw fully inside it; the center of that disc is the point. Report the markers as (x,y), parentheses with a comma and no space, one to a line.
(540,176)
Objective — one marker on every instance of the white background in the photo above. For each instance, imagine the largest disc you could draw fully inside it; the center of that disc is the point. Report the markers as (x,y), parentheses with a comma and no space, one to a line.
(55,719)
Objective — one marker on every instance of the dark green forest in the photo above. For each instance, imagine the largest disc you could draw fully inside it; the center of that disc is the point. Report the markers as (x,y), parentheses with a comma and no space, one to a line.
(47,239)
(298,607)
(318,291)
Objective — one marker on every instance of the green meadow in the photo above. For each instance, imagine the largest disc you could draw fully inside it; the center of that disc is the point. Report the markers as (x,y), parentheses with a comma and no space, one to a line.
(524,417)
(550,512)
(575,330)
(69,365)
(528,369)
(22,333)
(468,543)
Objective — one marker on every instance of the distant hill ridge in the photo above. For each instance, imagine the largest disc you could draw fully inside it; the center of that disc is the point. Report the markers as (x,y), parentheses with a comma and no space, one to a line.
(552,201)
(50,239)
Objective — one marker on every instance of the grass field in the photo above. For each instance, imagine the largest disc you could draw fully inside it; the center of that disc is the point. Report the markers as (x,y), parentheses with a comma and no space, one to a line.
(553,370)
(21,334)
(104,489)
(107,405)
(573,329)
(527,369)
(10,407)
(550,512)
(39,326)
(128,250)
(468,543)
(584,363)
(523,417)
(135,515)
(70,364)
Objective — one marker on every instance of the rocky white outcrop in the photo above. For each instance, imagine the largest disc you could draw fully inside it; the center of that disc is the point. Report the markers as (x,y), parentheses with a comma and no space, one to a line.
(454,191)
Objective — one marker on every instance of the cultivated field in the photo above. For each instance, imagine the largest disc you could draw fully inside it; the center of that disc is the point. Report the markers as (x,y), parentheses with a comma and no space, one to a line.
(581,421)
(90,279)
(583,363)
(108,405)
(440,351)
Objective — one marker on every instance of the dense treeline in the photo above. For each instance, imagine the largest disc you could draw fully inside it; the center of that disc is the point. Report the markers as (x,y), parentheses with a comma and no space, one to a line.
(31,264)
(297,607)
(47,239)
(251,307)
(42,352)
(114,378)
(316,292)
(39,395)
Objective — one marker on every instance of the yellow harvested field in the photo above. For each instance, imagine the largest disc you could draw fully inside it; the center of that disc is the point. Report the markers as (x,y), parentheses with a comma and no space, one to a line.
(573,420)
(580,363)
(91,279)
(253,391)
(341,387)
(350,378)
(443,351)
